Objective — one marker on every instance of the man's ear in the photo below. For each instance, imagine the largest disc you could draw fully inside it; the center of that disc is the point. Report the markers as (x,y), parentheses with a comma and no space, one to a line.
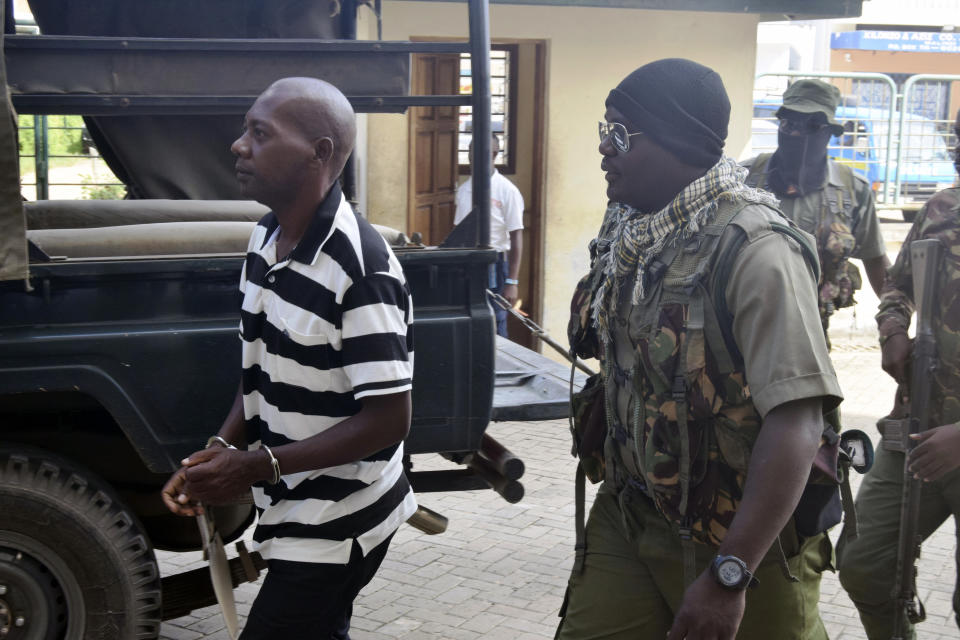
(323,149)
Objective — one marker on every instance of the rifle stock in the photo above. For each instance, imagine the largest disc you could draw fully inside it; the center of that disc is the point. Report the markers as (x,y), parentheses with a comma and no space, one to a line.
(926,257)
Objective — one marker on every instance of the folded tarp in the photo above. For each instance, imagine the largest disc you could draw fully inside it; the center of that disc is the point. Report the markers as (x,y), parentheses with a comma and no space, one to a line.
(76,214)
(157,239)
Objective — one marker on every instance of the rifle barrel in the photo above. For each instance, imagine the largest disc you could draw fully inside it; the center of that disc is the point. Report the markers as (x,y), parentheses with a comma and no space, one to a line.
(926,257)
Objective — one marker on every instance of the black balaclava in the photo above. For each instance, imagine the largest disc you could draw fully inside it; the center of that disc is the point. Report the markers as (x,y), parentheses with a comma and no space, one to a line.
(800,161)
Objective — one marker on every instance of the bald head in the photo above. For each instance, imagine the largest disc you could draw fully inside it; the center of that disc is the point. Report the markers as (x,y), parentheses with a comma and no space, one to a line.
(318,110)
(295,141)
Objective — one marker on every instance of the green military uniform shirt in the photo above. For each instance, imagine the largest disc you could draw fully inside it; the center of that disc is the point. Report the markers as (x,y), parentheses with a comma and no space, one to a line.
(806,210)
(773,299)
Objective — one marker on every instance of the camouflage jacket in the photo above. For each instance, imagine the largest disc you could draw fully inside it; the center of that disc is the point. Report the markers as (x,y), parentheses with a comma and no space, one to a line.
(676,350)
(846,204)
(939,218)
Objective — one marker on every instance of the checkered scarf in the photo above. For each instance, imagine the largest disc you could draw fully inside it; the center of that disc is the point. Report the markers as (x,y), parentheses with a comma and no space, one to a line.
(637,238)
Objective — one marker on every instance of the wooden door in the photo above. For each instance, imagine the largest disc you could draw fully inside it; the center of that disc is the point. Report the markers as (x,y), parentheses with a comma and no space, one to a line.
(433,149)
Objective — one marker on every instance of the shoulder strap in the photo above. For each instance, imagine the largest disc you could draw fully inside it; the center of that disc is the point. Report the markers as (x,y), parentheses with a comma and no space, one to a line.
(721,275)
(758,171)
(808,250)
(702,322)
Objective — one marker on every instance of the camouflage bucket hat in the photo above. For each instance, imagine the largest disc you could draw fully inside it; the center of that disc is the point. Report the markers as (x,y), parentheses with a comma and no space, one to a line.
(813,96)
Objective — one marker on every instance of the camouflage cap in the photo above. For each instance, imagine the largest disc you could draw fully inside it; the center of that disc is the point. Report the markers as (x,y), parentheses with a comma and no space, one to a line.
(812,96)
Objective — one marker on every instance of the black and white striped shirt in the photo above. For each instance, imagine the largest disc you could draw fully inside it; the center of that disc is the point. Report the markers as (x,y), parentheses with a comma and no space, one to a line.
(321,329)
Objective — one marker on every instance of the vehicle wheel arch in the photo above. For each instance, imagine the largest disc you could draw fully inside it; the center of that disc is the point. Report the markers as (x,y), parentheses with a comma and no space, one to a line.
(94,383)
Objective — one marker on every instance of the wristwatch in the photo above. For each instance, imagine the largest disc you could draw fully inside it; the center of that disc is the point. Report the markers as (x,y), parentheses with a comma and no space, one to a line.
(731,573)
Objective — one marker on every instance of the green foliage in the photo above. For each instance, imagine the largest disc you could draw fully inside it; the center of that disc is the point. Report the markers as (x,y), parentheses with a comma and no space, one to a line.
(94,191)
(63,135)
(66,148)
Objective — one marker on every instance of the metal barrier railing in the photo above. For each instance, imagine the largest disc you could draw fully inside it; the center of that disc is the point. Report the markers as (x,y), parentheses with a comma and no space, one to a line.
(903,151)
(939,130)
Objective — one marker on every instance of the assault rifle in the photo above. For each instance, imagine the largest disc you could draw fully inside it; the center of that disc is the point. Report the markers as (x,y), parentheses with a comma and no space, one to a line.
(926,257)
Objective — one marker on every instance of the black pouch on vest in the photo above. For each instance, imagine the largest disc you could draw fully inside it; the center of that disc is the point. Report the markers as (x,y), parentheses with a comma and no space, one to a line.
(820,507)
(588,426)
(827,495)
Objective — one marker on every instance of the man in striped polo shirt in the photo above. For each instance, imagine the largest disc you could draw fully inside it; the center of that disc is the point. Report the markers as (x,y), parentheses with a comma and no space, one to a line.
(324,402)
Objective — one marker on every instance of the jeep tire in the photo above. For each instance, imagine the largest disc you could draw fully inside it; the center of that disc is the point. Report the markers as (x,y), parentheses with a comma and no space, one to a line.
(74,562)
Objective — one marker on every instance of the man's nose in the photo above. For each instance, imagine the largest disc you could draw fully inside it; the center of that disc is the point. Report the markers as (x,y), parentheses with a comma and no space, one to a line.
(239,146)
(606,147)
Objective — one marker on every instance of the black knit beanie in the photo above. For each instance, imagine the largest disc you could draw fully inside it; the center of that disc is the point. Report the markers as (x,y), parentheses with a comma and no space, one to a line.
(682,105)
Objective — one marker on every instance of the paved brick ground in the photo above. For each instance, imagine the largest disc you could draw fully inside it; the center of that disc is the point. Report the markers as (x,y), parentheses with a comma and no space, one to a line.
(499,571)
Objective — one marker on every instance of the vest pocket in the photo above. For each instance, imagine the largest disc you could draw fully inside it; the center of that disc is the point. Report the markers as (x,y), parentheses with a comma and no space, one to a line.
(735,445)
(659,353)
(662,453)
(840,277)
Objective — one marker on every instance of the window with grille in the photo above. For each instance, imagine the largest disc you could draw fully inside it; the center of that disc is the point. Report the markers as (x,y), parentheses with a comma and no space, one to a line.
(503,74)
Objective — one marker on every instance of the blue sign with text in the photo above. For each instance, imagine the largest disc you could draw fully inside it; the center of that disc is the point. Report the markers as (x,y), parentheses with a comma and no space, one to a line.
(913,41)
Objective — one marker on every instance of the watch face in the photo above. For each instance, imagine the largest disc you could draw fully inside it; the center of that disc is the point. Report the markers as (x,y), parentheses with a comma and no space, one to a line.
(729,572)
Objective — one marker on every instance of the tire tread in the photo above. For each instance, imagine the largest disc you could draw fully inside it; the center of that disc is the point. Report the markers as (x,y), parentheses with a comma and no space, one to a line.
(82,496)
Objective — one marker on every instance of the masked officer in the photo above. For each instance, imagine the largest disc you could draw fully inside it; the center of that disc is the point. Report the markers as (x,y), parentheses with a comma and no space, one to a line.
(823,197)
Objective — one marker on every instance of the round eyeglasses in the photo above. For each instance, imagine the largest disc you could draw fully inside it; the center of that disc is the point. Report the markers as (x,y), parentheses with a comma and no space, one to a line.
(807,126)
(618,133)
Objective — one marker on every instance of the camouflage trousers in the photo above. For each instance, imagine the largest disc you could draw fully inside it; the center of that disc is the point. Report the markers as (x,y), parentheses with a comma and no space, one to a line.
(632,582)
(867,563)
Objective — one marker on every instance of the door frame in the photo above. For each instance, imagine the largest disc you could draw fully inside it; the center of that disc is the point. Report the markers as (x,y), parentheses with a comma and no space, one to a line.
(533,248)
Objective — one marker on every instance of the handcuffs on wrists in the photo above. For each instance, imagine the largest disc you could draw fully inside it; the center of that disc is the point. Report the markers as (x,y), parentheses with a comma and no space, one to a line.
(274,463)
(212,440)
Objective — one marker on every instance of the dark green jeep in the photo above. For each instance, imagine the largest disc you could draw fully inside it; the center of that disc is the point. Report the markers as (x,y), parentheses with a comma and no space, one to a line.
(118,319)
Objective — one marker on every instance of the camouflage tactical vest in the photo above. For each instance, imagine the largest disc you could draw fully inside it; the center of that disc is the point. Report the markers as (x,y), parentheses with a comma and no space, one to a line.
(691,422)
(834,234)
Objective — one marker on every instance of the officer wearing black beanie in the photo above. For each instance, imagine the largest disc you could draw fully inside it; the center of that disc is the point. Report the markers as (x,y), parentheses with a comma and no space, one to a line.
(674,112)
(702,472)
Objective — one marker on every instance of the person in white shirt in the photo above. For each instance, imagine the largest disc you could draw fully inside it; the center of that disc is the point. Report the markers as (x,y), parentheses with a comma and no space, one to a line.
(506,231)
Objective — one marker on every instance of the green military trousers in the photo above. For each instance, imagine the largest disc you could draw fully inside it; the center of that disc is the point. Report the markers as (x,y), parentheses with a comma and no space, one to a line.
(632,582)
(867,564)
